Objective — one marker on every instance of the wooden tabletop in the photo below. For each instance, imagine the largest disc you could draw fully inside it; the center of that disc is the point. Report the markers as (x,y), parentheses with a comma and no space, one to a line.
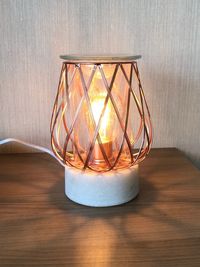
(39,226)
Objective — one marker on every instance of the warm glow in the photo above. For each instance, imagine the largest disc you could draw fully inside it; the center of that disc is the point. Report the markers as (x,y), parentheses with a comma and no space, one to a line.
(97,107)
(92,125)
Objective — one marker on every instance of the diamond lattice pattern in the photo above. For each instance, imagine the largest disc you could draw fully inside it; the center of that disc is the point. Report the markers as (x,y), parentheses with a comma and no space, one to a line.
(100,119)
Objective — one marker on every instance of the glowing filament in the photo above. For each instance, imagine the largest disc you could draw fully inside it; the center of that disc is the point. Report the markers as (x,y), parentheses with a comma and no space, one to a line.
(97,108)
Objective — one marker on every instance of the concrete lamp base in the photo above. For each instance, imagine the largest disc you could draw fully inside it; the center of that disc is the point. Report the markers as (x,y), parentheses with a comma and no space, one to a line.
(101,189)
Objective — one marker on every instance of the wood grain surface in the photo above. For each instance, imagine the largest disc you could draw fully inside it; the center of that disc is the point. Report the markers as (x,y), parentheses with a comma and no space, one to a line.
(166,33)
(39,226)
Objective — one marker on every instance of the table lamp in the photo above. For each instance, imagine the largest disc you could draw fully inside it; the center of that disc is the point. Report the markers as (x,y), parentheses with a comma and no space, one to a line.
(100,128)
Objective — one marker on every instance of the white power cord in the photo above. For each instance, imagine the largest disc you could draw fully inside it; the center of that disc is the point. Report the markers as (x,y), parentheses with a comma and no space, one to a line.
(43,149)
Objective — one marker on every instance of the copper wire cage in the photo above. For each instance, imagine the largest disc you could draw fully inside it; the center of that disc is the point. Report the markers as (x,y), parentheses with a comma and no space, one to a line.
(100,118)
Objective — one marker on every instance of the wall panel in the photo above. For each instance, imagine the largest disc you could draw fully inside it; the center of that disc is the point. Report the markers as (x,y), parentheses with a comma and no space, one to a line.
(166,32)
